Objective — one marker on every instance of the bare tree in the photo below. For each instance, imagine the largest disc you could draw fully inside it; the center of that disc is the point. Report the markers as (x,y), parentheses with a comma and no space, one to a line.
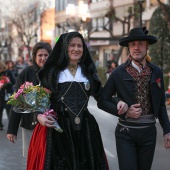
(132,13)
(25,19)
(5,40)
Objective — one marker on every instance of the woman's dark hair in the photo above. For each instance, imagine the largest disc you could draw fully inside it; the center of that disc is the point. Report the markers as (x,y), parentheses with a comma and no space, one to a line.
(9,61)
(40,45)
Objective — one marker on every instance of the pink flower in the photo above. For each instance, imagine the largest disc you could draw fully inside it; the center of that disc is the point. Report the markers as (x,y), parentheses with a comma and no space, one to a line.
(3,81)
(26,85)
(18,93)
(158,81)
(48,91)
(7,80)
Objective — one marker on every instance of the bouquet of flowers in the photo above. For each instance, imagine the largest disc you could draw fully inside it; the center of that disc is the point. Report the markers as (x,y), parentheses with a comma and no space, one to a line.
(4,80)
(30,98)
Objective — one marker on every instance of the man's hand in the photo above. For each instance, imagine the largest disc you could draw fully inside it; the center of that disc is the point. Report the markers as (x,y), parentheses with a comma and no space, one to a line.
(134,111)
(122,107)
(167,140)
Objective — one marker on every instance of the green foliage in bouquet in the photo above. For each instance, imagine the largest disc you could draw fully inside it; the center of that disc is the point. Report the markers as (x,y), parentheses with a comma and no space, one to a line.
(30,98)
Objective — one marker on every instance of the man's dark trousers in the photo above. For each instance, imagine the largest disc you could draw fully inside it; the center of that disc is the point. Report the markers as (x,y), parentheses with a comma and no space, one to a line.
(135,147)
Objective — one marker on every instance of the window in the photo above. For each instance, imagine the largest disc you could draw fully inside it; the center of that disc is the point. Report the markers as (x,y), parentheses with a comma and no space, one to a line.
(96,0)
(61,5)
(94,23)
(106,22)
(99,23)
(75,2)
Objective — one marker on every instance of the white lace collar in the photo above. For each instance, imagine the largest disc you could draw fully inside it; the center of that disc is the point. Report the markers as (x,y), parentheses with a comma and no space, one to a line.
(66,76)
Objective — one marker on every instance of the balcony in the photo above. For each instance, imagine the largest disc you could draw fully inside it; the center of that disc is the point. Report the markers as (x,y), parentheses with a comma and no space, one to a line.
(118,3)
(61,17)
(99,8)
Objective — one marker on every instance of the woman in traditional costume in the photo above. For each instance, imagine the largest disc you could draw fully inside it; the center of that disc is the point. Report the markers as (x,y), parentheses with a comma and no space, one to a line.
(71,75)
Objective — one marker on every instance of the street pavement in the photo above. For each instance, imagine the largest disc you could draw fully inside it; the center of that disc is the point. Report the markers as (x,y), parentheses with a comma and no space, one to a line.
(107,124)
(11,154)
(162,156)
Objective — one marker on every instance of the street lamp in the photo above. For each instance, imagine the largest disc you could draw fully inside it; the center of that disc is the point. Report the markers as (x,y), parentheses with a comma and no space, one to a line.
(140,5)
(81,11)
(78,17)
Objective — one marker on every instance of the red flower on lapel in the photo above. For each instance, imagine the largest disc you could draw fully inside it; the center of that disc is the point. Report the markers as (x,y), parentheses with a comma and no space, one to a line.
(158,81)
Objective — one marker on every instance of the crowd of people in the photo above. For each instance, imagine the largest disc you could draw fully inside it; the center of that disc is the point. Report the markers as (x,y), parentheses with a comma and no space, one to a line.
(111,65)
(11,70)
(70,73)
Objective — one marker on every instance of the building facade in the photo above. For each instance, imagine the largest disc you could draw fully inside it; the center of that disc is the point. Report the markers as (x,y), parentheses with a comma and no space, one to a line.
(47,26)
(109,21)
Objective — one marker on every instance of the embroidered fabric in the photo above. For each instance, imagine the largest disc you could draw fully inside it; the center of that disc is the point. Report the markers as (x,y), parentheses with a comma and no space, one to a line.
(142,88)
(73,99)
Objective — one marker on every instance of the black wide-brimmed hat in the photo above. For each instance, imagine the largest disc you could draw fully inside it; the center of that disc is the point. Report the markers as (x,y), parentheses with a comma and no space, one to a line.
(137,34)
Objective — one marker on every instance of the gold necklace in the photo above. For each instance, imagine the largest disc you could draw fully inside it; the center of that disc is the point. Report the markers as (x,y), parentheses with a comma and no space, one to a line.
(77,119)
(72,68)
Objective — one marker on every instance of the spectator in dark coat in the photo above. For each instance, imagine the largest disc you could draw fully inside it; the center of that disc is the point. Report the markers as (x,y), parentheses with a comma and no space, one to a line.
(5,89)
(40,53)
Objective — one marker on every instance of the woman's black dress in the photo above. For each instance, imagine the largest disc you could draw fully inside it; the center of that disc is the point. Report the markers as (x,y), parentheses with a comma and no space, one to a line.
(80,146)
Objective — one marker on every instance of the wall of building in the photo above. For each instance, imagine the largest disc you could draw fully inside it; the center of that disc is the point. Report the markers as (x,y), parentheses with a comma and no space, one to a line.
(101,47)
(47,25)
(99,9)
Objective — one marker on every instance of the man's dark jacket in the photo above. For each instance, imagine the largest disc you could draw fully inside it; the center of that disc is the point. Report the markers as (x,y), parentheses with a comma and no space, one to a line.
(121,83)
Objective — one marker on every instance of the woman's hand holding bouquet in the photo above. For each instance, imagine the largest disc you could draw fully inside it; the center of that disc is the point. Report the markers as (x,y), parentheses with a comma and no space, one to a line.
(48,119)
(30,98)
